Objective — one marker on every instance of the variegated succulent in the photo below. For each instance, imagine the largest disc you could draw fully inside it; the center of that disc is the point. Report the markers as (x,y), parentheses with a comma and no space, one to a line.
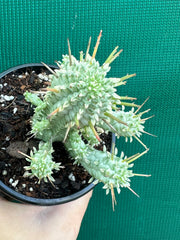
(82,101)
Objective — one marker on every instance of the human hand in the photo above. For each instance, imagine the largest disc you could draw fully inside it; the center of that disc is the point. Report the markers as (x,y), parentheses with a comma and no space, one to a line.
(27,222)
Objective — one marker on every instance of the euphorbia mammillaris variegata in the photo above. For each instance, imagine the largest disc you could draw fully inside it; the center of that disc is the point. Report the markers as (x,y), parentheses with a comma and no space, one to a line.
(82,101)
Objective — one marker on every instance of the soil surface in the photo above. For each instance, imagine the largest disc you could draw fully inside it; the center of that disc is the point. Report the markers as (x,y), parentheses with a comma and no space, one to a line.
(15,114)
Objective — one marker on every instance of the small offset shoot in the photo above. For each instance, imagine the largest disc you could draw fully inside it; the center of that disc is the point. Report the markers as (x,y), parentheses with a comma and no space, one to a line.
(81,100)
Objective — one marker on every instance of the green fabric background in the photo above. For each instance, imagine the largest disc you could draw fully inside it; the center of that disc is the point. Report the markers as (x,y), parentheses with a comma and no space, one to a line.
(149,33)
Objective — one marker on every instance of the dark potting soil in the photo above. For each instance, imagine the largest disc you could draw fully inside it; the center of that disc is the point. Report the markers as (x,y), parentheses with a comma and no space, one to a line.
(15,114)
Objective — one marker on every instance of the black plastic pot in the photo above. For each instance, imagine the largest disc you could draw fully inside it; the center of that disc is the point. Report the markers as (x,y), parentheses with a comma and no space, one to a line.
(12,195)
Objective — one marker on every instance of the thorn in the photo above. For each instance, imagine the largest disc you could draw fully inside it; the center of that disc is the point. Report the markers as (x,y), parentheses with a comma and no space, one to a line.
(115,56)
(148,133)
(111,55)
(128,76)
(126,104)
(49,68)
(94,131)
(96,46)
(141,113)
(33,135)
(69,50)
(66,134)
(114,118)
(129,158)
(88,47)
(114,130)
(140,141)
(144,119)
(133,192)
(52,90)
(141,175)
(141,105)
(113,197)
(58,64)
(138,156)
(127,98)
(119,84)
(51,182)
(25,155)
(54,112)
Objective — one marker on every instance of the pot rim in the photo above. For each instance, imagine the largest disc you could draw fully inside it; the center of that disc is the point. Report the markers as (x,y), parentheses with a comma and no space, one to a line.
(12,194)
(24,66)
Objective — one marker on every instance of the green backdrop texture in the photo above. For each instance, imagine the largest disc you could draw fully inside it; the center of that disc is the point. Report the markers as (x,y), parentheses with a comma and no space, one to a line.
(149,33)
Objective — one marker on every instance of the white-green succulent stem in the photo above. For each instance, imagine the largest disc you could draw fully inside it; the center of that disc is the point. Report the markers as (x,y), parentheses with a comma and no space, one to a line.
(133,127)
(80,98)
(112,171)
(33,98)
(41,163)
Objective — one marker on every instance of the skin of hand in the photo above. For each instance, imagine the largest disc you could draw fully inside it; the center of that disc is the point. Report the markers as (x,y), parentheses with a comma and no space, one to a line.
(27,222)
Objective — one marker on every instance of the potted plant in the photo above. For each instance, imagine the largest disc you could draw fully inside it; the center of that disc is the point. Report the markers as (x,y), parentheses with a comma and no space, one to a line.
(78,104)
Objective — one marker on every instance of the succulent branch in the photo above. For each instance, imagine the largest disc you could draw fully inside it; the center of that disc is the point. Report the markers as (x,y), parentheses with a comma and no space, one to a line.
(82,100)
